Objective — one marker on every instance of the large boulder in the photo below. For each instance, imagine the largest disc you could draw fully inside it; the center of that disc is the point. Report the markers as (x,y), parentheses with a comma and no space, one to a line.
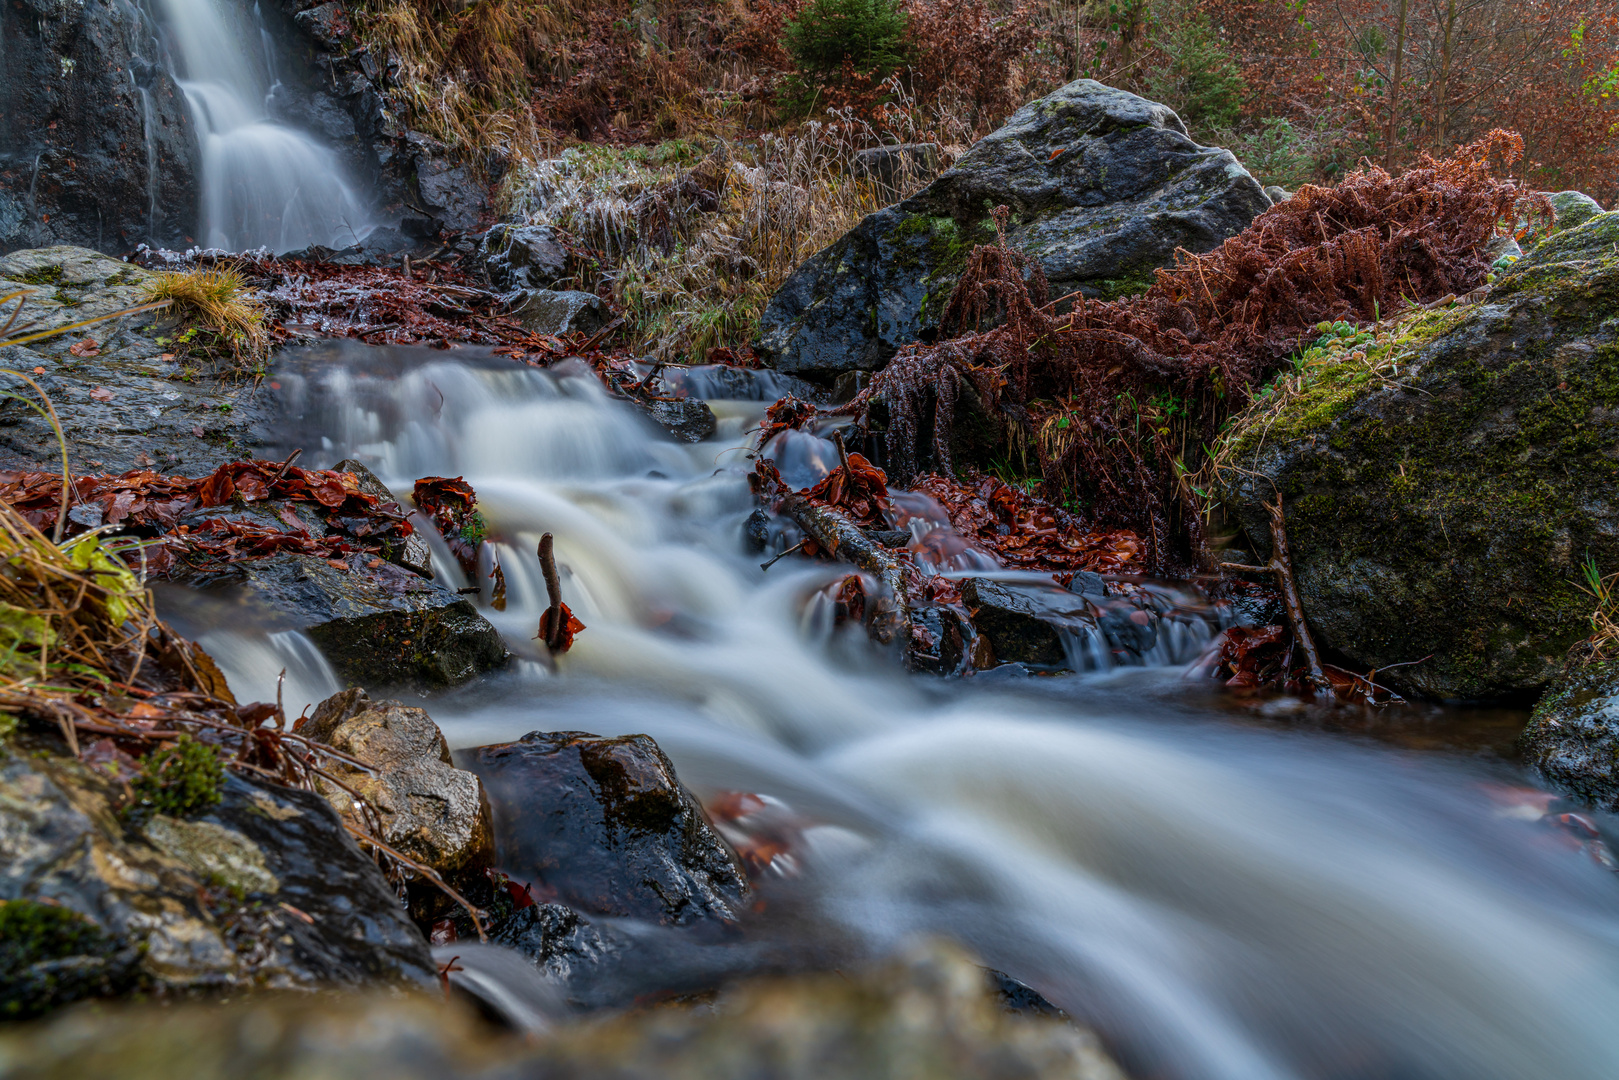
(604,826)
(265,889)
(126,395)
(1573,734)
(1103,187)
(96,142)
(1441,512)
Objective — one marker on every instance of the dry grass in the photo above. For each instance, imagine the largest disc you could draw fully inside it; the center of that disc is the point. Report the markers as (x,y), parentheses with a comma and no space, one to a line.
(219,301)
(1604,638)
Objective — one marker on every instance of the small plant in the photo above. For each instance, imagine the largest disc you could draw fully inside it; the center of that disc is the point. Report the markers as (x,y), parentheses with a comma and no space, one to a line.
(180,779)
(838,41)
(1605,619)
(220,305)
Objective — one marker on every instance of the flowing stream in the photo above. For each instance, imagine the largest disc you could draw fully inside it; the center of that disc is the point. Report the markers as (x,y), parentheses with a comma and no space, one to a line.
(264,184)
(1222,899)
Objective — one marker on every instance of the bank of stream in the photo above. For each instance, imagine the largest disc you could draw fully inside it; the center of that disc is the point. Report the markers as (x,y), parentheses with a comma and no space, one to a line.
(1222,890)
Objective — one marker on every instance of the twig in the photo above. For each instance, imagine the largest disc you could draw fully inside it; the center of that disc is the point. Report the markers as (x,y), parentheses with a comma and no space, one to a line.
(1282,566)
(843,458)
(783,554)
(426,871)
(552,620)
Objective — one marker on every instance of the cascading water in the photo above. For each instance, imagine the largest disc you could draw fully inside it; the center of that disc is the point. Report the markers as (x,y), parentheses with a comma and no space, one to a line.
(264,184)
(1223,901)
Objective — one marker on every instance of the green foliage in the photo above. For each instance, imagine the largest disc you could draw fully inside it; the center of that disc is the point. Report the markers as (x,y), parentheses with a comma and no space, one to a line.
(49,956)
(869,34)
(1201,81)
(180,780)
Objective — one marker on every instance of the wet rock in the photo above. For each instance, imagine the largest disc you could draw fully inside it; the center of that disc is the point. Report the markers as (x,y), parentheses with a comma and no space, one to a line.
(124,407)
(378,626)
(413,553)
(1445,514)
(603,826)
(429,809)
(941,641)
(328,24)
(1019,628)
(894,169)
(709,381)
(1503,247)
(929,1015)
(548,311)
(523,257)
(1103,187)
(1573,208)
(1046,627)
(1573,734)
(687,419)
(458,199)
(266,889)
(557,940)
(756,530)
(96,142)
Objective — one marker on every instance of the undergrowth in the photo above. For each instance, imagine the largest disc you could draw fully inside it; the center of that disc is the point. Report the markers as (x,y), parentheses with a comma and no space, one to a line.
(1604,589)
(219,302)
(180,779)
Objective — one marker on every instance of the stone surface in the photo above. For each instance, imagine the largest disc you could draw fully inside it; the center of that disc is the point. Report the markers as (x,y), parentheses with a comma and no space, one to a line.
(1446,513)
(1573,734)
(603,826)
(687,419)
(378,626)
(206,903)
(1277,194)
(1088,629)
(930,1016)
(125,407)
(523,257)
(1102,186)
(429,809)
(550,311)
(1573,208)
(458,199)
(96,142)
(896,169)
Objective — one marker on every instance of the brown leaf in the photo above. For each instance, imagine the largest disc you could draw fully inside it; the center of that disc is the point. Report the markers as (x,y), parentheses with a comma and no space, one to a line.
(101,393)
(85,347)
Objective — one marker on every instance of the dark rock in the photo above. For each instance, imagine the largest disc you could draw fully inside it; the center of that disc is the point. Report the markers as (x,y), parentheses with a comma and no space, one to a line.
(125,407)
(1103,187)
(413,554)
(1049,627)
(1445,513)
(1573,734)
(429,809)
(849,384)
(604,826)
(556,940)
(96,142)
(458,199)
(328,24)
(685,418)
(1021,998)
(199,903)
(419,228)
(928,1015)
(941,640)
(756,530)
(711,381)
(1019,628)
(523,257)
(547,311)
(896,169)
(379,627)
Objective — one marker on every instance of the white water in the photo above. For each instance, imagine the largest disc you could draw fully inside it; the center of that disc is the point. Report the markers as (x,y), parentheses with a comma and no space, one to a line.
(1223,902)
(264,184)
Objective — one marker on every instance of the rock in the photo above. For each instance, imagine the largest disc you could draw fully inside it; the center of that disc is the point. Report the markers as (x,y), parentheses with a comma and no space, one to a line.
(266,889)
(327,24)
(1103,187)
(523,257)
(1503,247)
(429,809)
(1445,513)
(555,939)
(96,142)
(687,419)
(1048,627)
(929,1015)
(458,199)
(378,626)
(1573,734)
(894,169)
(1572,208)
(1277,194)
(125,407)
(547,311)
(711,381)
(604,826)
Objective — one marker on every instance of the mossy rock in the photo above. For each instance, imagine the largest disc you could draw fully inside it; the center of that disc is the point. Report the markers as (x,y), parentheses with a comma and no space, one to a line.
(1103,187)
(1573,735)
(1442,514)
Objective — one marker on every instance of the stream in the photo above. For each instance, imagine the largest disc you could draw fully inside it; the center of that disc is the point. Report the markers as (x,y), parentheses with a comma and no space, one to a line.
(1222,894)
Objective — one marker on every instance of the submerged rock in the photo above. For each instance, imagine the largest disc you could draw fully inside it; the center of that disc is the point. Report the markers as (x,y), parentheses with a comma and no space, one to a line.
(378,625)
(1103,187)
(603,826)
(428,809)
(123,406)
(931,1016)
(1441,514)
(1573,734)
(1090,628)
(263,890)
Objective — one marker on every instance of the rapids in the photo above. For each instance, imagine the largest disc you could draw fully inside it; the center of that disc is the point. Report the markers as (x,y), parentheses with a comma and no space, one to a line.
(1222,899)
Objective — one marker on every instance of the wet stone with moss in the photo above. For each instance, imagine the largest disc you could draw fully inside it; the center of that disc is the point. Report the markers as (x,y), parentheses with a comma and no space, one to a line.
(1573,735)
(1442,513)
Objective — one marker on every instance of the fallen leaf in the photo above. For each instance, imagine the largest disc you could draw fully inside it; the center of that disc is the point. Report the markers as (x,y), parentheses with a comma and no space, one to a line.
(101,393)
(337,564)
(85,347)
(143,459)
(167,357)
(39,371)
(196,430)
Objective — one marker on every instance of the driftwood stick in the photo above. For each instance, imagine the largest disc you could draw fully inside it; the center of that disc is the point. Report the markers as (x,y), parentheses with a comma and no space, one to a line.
(843,457)
(552,621)
(780,555)
(1281,564)
(890,617)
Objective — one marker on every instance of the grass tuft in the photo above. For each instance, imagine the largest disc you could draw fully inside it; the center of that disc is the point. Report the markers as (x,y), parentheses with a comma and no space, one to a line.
(218,301)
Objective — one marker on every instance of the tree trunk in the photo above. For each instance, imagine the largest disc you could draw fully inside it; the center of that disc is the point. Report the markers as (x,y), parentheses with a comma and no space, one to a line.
(1394,85)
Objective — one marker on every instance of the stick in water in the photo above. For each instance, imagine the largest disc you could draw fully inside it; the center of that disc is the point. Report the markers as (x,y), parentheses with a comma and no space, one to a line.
(552,622)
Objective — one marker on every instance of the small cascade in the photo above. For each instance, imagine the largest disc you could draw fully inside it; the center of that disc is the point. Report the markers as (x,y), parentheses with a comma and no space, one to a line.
(264,184)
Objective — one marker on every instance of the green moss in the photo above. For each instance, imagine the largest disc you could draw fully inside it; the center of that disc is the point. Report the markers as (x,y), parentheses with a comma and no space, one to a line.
(1132,284)
(50,956)
(179,780)
(44,275)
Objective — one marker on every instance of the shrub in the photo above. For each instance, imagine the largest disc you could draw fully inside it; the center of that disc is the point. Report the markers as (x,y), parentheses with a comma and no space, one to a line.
(1201,81)
(843,44)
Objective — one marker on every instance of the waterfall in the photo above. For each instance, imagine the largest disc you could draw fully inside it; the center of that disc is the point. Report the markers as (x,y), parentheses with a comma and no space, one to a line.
(264,184)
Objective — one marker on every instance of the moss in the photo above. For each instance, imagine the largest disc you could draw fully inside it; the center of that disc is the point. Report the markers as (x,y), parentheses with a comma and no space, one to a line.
(1131,284)
(43,275)
(179,780)
(50,956)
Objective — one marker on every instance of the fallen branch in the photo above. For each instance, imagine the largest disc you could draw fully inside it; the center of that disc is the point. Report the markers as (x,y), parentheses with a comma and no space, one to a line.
(1281,565)
(890,616)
